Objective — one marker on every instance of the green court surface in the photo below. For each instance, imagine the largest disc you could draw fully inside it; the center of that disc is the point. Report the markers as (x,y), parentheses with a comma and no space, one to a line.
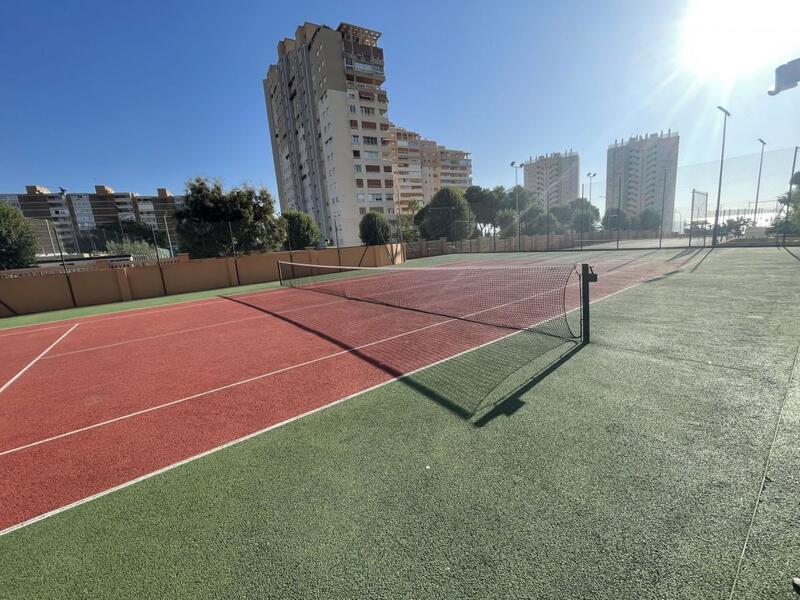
(634,470)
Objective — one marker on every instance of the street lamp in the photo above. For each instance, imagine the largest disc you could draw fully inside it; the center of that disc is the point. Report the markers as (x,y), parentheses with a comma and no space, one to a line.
(715,237)
(590,176)
(516,196)
(758,185)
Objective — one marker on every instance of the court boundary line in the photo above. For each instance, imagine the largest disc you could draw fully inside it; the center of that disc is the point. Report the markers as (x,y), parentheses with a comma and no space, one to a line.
(306,363)
(763,482)
(254,434)
(188,330)
(265,375)
(35,360)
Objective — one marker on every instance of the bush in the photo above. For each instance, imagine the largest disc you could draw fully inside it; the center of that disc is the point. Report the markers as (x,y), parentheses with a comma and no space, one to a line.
(301,229)
(373,229)
(18,241)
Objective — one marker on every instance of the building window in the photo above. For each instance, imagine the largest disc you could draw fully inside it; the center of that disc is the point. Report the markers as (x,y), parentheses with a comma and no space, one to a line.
(356,154)
(368,140)
(353,124)
(360,198)
(376,197)
(373,183)
(362,210)
(355,139)
(353,108)
(370,155)
(357,168)
(387,169)
(359,183)
(373,169)
(388,183)
(367,110)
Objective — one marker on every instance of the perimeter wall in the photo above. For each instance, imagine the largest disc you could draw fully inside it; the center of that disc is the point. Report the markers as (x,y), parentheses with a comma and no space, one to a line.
(26,291)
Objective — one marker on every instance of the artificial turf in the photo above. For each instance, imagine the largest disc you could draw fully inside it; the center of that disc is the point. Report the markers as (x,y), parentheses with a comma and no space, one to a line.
(632,471)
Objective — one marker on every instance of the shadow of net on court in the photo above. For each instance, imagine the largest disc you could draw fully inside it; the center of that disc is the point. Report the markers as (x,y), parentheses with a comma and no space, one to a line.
(470,339)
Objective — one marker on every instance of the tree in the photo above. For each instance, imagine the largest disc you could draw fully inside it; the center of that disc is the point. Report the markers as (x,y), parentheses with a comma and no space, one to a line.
(374,229)
(507,222)
(584,204)
(562,213)
(120,232)
(301,229)
(649,219)
(136,249)
(18,241)
(447,215)
(483,204)
(610,219)
(583,219)
(213,220)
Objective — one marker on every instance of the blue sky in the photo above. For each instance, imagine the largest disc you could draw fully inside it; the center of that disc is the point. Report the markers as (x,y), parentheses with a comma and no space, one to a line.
(143,94)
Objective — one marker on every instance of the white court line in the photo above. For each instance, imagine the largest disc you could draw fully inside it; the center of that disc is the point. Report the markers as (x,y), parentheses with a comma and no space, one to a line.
(189,330)
(35,360)
(138,311)
(268,374)
(244,438)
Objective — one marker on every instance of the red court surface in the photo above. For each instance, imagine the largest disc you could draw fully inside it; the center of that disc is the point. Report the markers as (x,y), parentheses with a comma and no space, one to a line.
(125,395)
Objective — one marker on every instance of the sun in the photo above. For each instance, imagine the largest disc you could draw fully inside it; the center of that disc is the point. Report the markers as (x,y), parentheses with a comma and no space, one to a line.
(729,40)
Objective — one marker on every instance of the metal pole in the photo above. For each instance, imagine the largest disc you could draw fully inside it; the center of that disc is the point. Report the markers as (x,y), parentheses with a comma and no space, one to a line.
(758,185)
(587,277)
(516,194)
(169,239)
(64,266)
(789,194)
(691,217)
(336,235)
(663,204)
(547,222)
(715,237)
(582,213)
(233,248)
(619,210)
(158,260)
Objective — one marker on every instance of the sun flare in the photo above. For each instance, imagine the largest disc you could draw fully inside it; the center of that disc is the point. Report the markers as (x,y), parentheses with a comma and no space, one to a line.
(728,40)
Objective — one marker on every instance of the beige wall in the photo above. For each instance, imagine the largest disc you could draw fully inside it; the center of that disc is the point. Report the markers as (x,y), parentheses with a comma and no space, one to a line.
(32,293)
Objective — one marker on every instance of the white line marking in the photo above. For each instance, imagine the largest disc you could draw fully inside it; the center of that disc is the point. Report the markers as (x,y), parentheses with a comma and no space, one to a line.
(189,330)
(244,438)
(35,360)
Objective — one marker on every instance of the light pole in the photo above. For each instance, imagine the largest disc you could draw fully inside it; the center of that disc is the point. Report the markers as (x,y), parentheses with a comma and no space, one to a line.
(789,195)
(715,237)
(758,185)
(516,197)
(590,176)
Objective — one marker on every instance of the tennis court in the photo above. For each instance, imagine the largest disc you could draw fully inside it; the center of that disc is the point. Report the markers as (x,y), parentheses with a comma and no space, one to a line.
(157,438)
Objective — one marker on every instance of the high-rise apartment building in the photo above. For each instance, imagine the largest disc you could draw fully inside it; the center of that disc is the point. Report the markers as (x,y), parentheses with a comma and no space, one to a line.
(642,173)
(329,127)
(423,167)
(68,218)
(553,178)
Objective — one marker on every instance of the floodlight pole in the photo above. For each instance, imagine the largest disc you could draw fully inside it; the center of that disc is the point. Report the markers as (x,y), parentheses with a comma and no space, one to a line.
(619,210)
(789,194)
(516,196)
(715,236)
(663,204)
(758,185)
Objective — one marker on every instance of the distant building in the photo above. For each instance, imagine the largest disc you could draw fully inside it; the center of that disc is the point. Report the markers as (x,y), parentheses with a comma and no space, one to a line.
(642,173)
(423,167)
(329,127)
(553,178)
(67,218)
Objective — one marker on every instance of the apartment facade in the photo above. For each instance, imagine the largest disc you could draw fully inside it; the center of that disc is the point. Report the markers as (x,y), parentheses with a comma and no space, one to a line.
(329,127)
(642,173)
(422,167)
(66,219)
(553,178)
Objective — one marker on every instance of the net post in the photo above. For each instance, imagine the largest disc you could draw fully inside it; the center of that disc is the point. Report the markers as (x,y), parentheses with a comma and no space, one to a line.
(587,276)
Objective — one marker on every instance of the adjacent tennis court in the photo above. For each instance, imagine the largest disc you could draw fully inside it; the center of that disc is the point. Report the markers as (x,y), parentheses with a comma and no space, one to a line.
(445,463)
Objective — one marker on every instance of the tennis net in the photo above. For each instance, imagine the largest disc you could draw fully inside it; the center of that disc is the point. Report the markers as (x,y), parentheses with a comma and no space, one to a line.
(511,297)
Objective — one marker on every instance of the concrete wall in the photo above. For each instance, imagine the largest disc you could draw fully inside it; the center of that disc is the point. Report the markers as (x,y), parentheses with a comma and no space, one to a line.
(32,290)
